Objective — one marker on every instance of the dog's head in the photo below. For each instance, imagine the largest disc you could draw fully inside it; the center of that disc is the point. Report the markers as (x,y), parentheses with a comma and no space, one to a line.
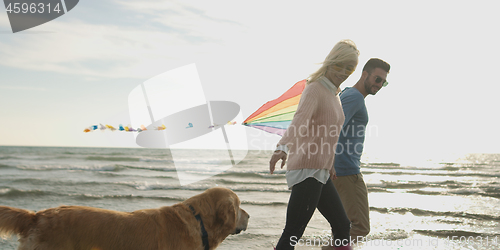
(229,214)
(220,211)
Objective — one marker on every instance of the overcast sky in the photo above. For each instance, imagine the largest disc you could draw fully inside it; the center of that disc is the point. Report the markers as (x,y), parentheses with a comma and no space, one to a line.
(60,77)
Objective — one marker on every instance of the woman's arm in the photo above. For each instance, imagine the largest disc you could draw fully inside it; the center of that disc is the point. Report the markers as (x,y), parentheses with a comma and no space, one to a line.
(298,127)
(302,118)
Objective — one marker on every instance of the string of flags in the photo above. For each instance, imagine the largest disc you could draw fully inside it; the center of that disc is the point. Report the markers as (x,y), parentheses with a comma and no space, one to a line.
(120,128)
(140,129)
(217,125)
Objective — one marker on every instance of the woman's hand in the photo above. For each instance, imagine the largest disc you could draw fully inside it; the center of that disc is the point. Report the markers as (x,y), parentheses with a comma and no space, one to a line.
(333,174)
(278,154)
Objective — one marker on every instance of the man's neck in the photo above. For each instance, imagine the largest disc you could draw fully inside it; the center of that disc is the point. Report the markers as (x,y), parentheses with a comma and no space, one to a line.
(361,88)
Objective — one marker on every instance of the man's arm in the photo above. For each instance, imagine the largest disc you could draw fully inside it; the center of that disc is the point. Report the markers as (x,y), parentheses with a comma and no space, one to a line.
(351,104)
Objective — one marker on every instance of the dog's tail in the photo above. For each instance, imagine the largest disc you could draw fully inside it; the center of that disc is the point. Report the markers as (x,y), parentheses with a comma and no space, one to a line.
(15,221)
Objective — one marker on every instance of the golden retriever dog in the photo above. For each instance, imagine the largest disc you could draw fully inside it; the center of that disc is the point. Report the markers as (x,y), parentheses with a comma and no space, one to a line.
(177,227)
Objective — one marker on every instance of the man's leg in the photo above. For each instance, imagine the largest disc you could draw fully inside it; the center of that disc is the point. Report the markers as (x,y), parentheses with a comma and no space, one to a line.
(354,195)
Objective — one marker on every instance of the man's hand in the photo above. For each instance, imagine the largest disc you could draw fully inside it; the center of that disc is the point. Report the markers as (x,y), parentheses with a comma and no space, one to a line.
(278,154)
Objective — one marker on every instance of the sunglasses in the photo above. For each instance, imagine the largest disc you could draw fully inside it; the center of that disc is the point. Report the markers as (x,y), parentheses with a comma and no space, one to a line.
(379,79)
(341,67)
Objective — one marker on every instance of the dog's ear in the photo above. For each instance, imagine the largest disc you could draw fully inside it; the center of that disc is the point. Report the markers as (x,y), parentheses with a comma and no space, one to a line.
(226,213)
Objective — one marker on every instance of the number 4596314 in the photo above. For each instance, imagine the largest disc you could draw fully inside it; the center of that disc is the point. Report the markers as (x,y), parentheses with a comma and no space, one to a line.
(32,8)
(471,240)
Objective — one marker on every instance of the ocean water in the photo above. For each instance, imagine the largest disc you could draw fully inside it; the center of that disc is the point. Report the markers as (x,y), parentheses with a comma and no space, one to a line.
(429,205)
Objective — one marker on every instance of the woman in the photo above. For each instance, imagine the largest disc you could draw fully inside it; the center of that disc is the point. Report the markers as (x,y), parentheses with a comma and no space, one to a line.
(309,143)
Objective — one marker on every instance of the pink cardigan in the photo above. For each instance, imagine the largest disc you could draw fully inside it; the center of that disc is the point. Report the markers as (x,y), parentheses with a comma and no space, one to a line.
(312,136)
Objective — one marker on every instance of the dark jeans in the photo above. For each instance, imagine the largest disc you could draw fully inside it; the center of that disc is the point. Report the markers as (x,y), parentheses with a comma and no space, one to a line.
(304,199)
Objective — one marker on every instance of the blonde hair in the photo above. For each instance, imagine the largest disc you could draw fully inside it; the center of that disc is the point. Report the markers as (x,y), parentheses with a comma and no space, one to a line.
(345,50)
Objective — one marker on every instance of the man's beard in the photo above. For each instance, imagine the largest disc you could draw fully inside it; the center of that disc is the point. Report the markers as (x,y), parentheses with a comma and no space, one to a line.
(367,88)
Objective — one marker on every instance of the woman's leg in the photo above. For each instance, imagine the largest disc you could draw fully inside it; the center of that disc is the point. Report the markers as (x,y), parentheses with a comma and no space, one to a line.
(301,206)
(330,206)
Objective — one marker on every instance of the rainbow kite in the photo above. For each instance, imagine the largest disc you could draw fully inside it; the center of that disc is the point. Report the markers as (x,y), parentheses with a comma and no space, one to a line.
(275,116)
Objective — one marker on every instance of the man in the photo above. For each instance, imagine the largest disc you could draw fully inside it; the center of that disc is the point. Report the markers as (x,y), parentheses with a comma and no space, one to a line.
(349,183)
